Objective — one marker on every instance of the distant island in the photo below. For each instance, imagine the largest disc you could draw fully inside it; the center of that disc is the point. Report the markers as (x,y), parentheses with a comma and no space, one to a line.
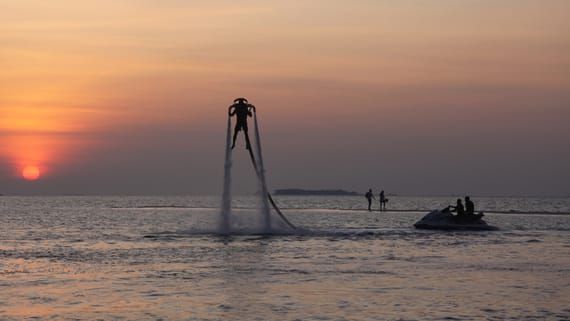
(298,191)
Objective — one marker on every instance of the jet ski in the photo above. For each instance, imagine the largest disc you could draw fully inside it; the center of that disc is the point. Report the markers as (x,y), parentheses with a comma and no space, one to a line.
(445,220)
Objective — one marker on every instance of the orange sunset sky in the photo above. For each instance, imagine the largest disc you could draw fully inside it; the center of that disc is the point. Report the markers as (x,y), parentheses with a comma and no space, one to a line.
(416,97)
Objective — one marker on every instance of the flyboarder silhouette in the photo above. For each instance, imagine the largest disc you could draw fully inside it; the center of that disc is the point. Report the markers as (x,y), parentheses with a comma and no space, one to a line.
(241,108)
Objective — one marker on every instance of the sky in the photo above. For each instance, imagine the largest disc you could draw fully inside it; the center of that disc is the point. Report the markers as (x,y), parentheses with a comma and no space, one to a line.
(416,97)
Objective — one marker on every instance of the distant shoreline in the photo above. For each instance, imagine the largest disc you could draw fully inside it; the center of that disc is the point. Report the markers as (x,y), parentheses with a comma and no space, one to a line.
(341,210)
(299,191)
(246,195)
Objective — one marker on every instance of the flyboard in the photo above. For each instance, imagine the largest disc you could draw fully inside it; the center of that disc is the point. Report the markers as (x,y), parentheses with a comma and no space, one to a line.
(259,171)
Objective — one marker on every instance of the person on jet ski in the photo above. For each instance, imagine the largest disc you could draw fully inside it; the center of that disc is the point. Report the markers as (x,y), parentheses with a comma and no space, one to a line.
(241,108)
(460,210)
(470,210)
(469,206)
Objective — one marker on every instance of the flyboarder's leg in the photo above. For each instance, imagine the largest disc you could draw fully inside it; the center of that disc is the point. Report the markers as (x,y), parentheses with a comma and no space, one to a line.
(236,131)
(247,143)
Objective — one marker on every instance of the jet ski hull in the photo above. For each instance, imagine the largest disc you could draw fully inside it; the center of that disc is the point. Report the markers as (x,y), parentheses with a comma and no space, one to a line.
(461,227)
(443,220)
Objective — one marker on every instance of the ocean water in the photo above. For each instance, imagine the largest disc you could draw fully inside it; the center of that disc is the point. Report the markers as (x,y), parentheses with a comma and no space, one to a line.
(158,258)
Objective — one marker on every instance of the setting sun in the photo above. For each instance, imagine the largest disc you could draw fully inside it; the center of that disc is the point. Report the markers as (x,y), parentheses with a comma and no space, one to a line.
(31,173)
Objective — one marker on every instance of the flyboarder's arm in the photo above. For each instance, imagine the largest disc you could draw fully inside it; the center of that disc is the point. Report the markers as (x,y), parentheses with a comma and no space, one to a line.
(251,107)
(230,112)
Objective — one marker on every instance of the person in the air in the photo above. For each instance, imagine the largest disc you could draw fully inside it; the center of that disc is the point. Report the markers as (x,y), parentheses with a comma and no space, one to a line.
(241,108)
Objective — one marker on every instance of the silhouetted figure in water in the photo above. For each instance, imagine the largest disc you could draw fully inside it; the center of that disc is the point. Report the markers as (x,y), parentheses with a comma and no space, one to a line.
(369,196)
(241,109)
(383,200)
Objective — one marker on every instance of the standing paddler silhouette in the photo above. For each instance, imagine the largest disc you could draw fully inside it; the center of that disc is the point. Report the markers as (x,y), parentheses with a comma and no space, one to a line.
(242,109)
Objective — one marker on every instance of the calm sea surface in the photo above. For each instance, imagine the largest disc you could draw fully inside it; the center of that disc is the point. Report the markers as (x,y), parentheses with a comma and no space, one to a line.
(158,258)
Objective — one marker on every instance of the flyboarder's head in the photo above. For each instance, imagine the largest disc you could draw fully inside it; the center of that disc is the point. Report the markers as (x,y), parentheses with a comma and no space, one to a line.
(458,201)
(467,198)
(240,101)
